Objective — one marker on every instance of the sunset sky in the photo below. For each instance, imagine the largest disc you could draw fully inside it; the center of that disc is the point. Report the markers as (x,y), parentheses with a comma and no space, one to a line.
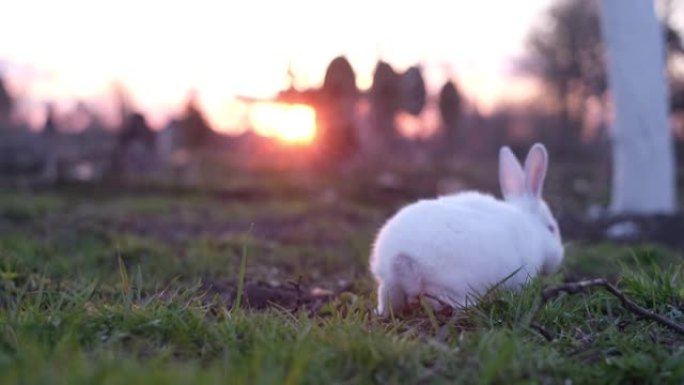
(159,50)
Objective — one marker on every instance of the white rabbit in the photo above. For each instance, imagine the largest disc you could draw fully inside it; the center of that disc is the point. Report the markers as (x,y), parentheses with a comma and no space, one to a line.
(451,248)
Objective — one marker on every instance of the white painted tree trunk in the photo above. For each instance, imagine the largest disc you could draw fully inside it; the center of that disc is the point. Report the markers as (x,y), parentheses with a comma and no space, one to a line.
(643,155)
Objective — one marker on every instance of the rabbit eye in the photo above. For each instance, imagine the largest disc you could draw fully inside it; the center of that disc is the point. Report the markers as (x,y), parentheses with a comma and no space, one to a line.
(551,228)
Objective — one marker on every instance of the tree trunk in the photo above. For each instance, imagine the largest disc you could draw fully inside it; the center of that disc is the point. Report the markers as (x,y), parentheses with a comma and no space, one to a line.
(643,159)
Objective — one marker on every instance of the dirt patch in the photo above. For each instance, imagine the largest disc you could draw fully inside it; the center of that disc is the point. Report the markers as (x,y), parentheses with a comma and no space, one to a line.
(261,295)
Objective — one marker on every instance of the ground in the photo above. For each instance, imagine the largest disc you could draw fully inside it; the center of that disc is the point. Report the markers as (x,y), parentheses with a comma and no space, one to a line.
(270,285)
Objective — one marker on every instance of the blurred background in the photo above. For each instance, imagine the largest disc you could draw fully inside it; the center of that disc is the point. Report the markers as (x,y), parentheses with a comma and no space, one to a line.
(165,163)
(403,100)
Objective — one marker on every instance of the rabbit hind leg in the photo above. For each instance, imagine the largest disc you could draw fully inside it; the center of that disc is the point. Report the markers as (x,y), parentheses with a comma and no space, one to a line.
(391,298)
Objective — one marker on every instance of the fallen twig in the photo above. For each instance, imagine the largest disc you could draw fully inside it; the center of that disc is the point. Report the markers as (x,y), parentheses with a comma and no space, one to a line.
(542,330)
(576,287)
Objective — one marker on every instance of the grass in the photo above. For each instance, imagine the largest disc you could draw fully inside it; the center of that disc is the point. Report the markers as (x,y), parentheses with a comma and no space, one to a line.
(110,290)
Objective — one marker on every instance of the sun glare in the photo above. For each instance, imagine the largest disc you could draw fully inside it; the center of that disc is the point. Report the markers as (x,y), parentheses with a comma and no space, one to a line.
(291,123)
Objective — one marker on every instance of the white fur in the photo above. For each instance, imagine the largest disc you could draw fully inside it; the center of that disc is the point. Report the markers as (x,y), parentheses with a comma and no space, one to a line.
(454,247)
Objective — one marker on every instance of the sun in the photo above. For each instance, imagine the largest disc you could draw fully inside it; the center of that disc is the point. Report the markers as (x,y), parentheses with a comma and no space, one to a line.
(290,123)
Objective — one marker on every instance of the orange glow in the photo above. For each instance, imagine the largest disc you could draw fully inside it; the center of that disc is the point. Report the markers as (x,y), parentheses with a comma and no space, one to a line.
(291,123)
(187,49)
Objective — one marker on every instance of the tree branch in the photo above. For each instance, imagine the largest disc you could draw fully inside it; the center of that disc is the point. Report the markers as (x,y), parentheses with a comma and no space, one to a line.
(576,287)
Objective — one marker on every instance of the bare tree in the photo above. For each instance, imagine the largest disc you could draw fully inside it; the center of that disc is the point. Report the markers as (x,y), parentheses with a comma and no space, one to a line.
(6,104)
(385,99)
(195,131)
(413,93)
(567,53)
(336,101)
(450,111)
(391,93)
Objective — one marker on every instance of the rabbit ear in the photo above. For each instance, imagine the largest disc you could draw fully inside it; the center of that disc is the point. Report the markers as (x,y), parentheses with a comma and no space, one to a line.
(511,176)
(535,169)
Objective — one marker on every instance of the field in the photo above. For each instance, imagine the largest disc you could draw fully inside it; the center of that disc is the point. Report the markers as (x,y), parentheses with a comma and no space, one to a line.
(164,286)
